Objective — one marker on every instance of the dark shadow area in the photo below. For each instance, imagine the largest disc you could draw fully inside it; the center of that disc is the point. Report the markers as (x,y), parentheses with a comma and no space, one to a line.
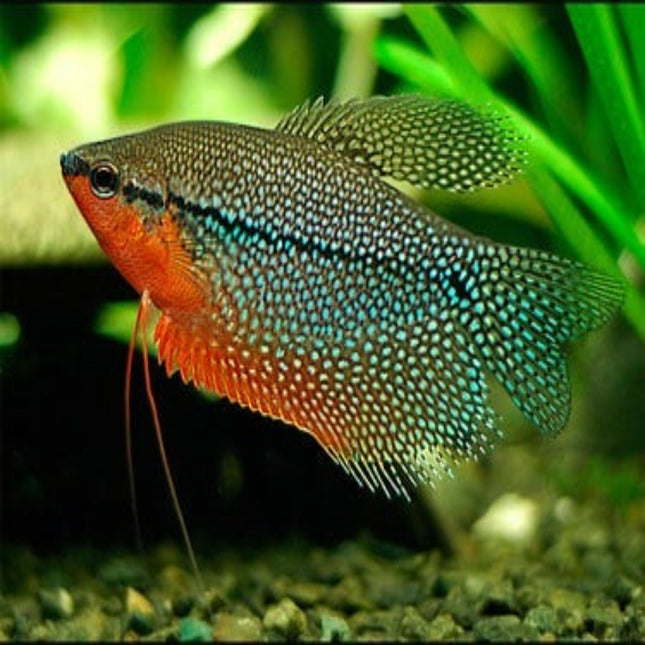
(240,477)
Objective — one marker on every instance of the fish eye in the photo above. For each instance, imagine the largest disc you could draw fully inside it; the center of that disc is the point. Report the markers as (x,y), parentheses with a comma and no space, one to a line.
(104,179)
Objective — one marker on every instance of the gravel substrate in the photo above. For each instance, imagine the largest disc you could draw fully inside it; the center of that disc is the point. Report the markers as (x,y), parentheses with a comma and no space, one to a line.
(578,574)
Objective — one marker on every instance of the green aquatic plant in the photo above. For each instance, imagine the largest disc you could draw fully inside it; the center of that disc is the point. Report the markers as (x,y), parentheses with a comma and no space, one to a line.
(595,201)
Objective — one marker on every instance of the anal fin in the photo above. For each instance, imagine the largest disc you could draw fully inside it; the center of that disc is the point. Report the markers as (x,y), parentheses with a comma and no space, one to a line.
(222,364)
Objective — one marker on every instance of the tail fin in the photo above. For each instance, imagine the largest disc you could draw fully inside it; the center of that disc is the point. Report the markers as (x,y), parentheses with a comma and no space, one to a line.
(522,309)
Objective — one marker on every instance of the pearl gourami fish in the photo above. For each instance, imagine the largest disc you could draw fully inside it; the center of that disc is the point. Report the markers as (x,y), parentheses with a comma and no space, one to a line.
(294,280)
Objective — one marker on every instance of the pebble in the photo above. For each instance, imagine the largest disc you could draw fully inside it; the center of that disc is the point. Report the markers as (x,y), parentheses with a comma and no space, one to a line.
(328,568)
(6,628)
(140,613)
(234,627)
(349,595)
(510,518)
(634,627)
(603,618)
(307,594)
(530,596)
(500,628)
(570,609)
(209,603)
(388,588)
(541,618)
(376,625)
(25,613)
(414,626)
(498,598)
(285,619)
(193,629)
(56,603)
(429,608)
(459,604)
(304,594)
(444,627)
(94,625)
(334,629)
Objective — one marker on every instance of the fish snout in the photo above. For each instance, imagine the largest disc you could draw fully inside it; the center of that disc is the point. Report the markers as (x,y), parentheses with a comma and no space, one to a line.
(72,164)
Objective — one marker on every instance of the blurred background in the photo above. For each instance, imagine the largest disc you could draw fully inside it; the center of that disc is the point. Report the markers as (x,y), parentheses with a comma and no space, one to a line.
(574,84)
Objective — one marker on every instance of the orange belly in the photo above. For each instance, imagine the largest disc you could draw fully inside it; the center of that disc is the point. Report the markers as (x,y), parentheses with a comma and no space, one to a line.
(289,389)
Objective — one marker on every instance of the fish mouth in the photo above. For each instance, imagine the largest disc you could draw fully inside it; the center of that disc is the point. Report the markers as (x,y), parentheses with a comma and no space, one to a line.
(73,165)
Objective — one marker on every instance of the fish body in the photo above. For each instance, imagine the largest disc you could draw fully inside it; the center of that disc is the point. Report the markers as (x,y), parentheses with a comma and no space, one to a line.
(293,279)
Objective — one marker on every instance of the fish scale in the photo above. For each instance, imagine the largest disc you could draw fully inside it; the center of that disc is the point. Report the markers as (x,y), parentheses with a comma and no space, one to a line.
(294,280)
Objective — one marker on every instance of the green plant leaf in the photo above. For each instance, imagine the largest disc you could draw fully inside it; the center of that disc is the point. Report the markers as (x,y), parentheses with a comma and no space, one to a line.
(607,207)
(633,18)
(523,31)
(406,61)
(116,320)
(574,228)
(598,36)
(441,41)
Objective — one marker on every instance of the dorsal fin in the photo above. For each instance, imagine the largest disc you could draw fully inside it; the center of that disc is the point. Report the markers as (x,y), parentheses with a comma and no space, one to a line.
(429,142)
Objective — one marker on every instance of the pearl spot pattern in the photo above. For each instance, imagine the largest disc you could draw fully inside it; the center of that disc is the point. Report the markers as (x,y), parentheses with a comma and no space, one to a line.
(341,306)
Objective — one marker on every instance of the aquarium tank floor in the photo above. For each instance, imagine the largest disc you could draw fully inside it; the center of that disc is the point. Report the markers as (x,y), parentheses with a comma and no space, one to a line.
(539,566)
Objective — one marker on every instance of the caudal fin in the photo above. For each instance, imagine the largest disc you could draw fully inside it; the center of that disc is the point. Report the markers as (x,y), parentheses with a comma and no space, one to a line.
(522,308)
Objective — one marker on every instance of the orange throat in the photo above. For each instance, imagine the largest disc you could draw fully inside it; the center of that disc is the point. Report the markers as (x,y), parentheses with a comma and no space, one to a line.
(154,258)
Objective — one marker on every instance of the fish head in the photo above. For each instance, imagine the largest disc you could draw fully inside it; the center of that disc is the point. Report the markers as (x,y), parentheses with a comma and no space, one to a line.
(120,188)
(107,178)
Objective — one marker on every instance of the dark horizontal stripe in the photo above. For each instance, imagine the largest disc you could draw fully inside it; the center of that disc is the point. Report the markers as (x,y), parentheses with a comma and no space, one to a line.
(229,224)
(150,197)
(232,225)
